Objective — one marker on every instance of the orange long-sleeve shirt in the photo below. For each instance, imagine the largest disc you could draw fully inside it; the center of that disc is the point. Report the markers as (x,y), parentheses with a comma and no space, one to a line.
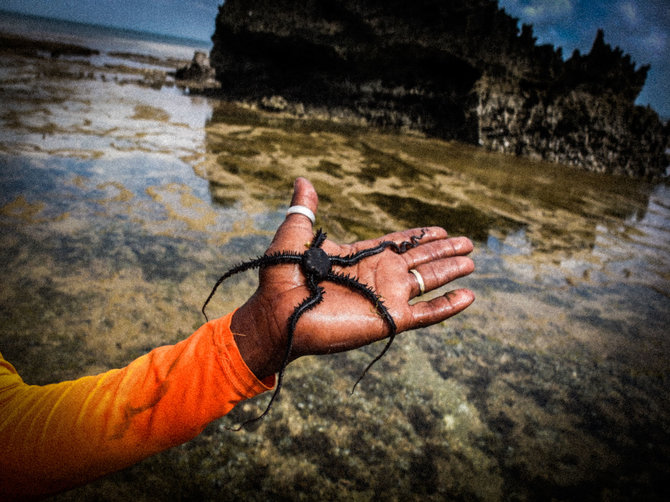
(57,436)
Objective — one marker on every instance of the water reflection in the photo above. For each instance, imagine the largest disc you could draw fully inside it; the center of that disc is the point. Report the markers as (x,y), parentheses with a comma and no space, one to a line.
(376,183)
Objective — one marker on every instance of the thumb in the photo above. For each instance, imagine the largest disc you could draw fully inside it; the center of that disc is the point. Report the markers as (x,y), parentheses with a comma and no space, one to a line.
(304,195)
(297,225)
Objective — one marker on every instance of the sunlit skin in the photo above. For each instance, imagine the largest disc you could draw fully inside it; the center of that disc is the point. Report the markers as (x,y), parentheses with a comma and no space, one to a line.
(344,320)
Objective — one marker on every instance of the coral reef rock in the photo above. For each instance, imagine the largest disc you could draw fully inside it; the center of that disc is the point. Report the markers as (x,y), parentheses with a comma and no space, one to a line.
(199,70)
(460,70)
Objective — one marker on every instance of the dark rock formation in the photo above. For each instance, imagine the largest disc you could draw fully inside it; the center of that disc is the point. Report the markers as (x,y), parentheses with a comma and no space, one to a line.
(199,70)
(456,70)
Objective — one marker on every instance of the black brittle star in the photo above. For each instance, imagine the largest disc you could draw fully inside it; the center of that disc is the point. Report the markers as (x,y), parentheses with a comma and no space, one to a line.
(316,266)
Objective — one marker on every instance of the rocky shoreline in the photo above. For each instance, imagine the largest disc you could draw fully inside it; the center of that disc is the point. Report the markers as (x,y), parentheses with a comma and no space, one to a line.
(123,67)
(461,70)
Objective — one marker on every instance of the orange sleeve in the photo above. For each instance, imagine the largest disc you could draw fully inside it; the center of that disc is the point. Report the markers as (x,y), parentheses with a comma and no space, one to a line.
(57,436)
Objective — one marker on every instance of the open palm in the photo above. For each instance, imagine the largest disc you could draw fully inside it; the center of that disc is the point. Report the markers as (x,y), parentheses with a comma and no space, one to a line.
(345,319)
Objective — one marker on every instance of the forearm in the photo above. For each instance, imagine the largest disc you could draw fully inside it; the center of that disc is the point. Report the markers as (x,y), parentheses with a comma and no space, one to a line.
(65,434)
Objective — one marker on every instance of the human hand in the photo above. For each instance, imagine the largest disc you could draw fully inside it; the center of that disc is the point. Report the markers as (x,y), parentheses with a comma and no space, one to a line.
(346,320)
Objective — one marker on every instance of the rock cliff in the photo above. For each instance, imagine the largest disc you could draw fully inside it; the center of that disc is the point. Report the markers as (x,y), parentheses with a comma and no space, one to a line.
(460,70)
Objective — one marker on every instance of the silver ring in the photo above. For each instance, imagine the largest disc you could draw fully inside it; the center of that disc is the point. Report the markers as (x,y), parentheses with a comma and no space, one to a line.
(419,279)
(305,211)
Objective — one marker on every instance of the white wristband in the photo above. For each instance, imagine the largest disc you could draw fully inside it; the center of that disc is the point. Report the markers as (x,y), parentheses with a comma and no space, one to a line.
(305,211)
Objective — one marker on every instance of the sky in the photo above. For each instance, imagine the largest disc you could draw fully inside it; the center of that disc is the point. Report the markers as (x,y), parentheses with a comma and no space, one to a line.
(641,28)
(180,18)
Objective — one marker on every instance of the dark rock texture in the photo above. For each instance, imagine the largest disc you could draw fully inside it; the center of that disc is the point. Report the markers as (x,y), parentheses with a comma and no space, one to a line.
(457,70)
(199,69)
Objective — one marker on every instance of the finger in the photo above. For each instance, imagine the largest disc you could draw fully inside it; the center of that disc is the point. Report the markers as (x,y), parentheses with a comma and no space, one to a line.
(437,250)
(304,195)
(436,274)
(297,226)
(440,308)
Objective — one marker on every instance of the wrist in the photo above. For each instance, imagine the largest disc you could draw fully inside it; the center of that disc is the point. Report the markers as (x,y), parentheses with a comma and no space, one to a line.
(254,343)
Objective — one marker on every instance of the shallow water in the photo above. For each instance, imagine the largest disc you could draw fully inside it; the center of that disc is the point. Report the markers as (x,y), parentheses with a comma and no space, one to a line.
(122,203)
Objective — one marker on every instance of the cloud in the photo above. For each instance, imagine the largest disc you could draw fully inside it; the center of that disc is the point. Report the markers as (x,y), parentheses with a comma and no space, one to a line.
(642,29)
(629,12)
(656,42)
(545,10)
(539,11)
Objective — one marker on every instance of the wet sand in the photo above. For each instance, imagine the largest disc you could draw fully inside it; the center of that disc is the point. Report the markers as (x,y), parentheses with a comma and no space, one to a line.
(123,199)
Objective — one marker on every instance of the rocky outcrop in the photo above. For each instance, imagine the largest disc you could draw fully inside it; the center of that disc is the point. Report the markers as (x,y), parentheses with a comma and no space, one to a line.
(198,72)
(585,117)
(456,70)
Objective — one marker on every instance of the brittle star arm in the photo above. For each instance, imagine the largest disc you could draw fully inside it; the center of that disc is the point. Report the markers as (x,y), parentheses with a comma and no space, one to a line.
(354,258)
(308,303)
(261,261)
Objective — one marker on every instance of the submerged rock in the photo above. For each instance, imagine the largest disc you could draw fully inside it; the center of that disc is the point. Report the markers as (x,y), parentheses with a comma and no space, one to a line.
(455,70)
